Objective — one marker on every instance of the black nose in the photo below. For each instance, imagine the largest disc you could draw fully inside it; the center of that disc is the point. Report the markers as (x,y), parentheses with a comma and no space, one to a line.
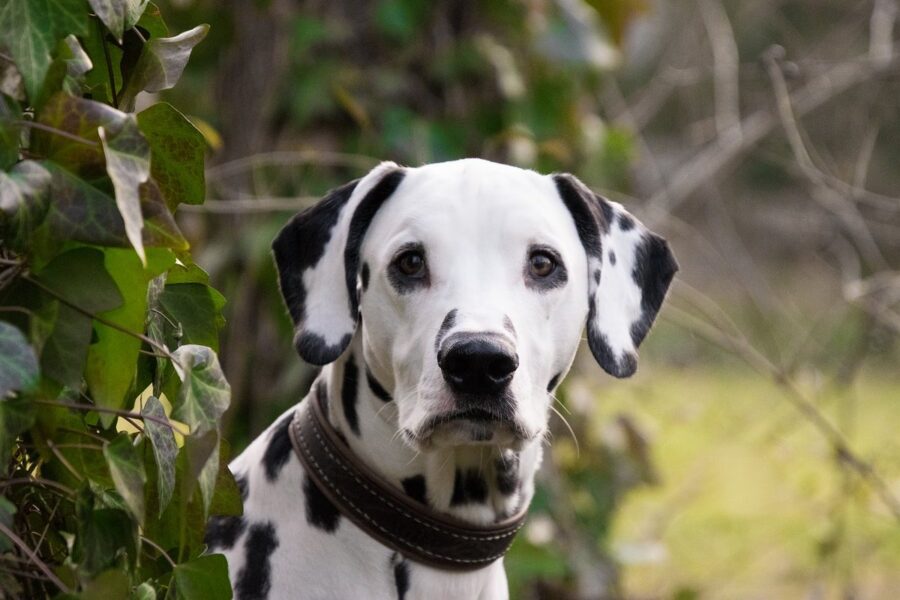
(477,364)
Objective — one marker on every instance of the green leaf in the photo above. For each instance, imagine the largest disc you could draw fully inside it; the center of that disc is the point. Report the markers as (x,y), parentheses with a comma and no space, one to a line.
(202,578)
(31,30)
(205,393)
(227,498)
(23,200)
(197,308)
(7,511)
(127,472)
(18,363)
(79,63)
(162,62)
(105,538)
(108,585)
(16,415)
(80,278)
(80,212)
(145,591)
(112,360)
(80,151)
(118,15)
(165,450)
(128,164)
(177,154)
(10,112)
(203,465)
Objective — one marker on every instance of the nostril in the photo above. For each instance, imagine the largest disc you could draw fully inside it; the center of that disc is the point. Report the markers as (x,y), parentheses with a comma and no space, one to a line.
(502,367)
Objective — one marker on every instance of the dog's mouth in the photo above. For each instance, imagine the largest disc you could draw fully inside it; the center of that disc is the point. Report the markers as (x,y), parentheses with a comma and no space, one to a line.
(469,427)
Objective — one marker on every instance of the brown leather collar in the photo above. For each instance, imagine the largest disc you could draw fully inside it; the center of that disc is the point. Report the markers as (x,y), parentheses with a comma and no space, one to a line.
(417,531)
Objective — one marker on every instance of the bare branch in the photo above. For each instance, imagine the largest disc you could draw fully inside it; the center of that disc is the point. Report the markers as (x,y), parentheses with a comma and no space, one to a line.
(726,65)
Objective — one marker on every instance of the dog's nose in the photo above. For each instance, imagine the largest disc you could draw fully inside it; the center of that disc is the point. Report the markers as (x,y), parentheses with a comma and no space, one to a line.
(478,364)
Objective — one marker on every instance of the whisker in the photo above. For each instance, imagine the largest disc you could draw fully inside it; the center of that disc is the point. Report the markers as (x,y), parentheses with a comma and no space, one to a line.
(571,431)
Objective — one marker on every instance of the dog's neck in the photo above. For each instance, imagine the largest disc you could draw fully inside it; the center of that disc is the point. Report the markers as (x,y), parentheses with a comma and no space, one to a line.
(479,484)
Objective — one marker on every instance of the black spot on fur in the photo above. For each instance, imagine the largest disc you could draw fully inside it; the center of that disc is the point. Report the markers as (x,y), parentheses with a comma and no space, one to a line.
(446,325)
(279,449)
(377,389)
(401,575)
(604,354)
(223,532)
(612,258)
(553,382)
(254,579)
(359,223)
(597,276)
(468,487)
(243,486)
(654,268)
(299,245)
(313,348)
(364,276)
(583,213)
(415,488)
(626,223)
(507,473)
(320,512)
(349,390)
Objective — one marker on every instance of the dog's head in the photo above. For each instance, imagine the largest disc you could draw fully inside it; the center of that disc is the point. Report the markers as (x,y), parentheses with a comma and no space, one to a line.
(470,283)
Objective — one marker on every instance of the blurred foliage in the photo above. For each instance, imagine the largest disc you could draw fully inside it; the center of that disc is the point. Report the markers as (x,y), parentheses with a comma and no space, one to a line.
(104,316)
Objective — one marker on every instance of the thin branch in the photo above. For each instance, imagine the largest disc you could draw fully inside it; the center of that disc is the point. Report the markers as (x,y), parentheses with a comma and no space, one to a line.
(256,205)
(34,558)
(159,549)
(290,158)
(113,411)
(59,132)
(715,157)
(36,481)
(726,65)
(161,348)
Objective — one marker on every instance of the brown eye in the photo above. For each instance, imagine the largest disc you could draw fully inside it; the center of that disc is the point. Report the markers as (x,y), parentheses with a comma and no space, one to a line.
(541,264)
(411,264)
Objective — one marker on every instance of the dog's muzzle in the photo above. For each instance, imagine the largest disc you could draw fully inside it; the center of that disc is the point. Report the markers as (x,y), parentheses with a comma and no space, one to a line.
(480,364)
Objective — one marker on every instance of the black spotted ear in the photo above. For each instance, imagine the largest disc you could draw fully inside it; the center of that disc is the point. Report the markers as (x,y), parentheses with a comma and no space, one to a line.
(317,256)
(629,270)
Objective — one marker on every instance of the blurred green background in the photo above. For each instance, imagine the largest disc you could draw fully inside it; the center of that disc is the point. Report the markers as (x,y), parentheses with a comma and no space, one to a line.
(756,454)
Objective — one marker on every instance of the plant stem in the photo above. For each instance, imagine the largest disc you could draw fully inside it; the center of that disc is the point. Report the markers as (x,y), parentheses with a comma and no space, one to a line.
(34,558)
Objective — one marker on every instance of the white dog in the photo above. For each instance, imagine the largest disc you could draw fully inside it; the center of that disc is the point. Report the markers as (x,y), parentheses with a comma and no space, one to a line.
(446,303)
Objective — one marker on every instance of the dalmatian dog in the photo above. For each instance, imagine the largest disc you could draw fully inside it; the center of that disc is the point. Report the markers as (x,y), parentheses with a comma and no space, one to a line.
(445,302)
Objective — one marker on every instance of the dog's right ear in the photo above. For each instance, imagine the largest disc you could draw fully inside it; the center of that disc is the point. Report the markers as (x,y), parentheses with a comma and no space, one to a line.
(317,256)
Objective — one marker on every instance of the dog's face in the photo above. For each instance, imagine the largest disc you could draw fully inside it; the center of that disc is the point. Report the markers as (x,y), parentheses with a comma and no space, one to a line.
(470,283)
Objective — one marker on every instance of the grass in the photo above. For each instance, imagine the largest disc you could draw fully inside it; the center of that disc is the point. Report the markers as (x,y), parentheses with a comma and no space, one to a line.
(751,503)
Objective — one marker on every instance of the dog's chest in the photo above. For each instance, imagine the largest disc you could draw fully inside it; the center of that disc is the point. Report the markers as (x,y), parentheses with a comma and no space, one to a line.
(292,542)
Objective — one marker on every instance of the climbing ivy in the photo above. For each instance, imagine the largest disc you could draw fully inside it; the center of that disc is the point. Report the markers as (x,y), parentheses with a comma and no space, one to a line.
(111,393)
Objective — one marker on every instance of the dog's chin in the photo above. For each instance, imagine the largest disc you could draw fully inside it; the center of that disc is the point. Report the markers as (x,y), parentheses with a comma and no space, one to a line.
(471,428)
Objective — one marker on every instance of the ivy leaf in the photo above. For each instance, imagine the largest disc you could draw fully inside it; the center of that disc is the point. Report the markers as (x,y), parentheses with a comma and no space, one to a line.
(108,585)
(118,15)
(128,164)
(145,591)
(203,465)
(79,277)
(31,30)
(81,151)
(202,578)
(112,360)
(23,200)
(79,63)
(127,472)
(205,393)
(165,450)
(197,308)
(177,149)
(16,415)
(7,510)
(161,63)
(10,112)
(105,537)
(83,213)
(18,363)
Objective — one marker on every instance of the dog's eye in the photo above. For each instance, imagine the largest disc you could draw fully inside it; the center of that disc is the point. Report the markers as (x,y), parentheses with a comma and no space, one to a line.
(541,263)
(411,263)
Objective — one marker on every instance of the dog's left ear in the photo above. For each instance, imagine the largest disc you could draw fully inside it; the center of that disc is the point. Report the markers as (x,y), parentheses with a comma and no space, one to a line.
(629,271)
(317,256)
